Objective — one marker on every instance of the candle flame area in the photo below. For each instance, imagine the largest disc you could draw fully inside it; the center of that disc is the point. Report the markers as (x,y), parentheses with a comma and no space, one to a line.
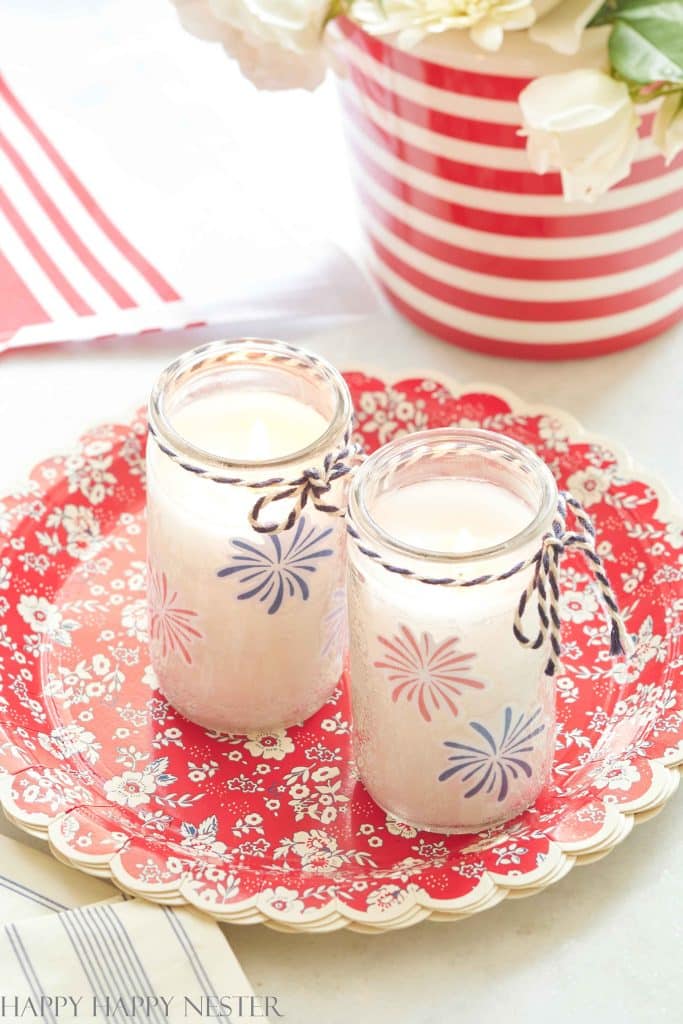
(259,441)
(464,541)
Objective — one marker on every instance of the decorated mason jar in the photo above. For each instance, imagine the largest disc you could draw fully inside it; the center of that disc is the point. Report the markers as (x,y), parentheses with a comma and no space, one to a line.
(247,460)
(456,541)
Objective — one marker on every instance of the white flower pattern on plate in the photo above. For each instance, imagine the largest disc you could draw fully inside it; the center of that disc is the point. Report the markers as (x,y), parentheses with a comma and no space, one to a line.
(589,485)
(271,745)
(579,605)
(321,836)
(130,789)
(619,775)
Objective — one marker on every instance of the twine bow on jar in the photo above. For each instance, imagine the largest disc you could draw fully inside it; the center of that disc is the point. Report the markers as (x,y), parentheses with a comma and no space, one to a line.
(544,582)
(312,485)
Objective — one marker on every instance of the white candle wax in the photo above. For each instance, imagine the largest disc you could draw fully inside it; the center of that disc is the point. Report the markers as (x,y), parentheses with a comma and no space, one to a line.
(453,516)
(249,425)
(436,671)
(246,628)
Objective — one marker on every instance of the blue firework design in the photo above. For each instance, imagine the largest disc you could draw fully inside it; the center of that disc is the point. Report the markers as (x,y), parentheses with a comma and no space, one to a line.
(278,570)
(495,764)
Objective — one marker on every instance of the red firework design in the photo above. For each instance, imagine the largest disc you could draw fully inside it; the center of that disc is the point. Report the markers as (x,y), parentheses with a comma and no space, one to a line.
(422,670)
(169,625)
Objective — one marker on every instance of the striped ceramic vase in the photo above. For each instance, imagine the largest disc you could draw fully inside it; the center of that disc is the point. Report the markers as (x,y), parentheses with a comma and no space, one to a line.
(471,244)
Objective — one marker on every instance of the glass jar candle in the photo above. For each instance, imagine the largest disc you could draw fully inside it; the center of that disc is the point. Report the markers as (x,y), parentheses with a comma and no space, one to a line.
(453,718)
(247,463)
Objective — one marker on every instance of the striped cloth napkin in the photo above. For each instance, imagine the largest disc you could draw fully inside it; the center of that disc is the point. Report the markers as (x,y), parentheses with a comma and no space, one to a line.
(32,884)
(65,958)
(133,200)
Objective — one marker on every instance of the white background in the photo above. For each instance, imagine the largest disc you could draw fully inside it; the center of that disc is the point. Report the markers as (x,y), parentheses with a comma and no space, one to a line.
(603,945)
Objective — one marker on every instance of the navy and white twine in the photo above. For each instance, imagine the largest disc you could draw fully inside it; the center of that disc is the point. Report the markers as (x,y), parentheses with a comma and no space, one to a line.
(544,582)
(315,484)
(312,485)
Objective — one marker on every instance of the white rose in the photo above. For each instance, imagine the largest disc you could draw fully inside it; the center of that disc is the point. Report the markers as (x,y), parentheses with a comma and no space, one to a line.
(667,131)
(561,27)
(412,20)
(583,124)
(489,31)
(277,43)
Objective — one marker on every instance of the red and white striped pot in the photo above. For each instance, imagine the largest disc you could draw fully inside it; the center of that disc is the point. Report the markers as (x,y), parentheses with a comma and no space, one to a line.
(471,244)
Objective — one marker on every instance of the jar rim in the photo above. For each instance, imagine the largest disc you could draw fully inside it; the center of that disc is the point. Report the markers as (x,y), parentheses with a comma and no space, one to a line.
(238,352)
(408,445)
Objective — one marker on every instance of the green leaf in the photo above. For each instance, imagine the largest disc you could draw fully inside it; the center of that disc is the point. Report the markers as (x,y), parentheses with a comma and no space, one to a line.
(606,14)
(645,49)
(634,10)
(646,42)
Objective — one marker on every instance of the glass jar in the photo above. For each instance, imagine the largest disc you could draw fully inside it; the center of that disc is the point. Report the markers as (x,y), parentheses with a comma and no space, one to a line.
(453,717)
(246,547)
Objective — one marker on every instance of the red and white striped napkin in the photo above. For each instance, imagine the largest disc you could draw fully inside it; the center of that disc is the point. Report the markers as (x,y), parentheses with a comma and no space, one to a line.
(64,257)
(145,185)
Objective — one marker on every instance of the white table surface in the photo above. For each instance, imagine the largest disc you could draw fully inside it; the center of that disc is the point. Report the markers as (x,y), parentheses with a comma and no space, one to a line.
(604,944)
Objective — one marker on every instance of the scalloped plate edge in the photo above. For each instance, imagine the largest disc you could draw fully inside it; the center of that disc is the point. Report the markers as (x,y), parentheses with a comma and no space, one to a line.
(414,908)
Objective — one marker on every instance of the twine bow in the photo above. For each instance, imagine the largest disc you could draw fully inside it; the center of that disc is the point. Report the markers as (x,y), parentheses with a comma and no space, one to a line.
(313,485)
(544,582)
(545,585)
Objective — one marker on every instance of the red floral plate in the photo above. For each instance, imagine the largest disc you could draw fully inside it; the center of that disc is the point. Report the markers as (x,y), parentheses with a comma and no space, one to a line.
(276,827)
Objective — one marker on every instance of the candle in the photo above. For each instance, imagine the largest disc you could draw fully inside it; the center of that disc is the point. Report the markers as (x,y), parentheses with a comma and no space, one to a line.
(453,718)
(456,516)
(247,628)
(252,425)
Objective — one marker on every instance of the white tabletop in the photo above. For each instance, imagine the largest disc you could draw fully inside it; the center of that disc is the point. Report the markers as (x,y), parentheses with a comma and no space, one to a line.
(602,945)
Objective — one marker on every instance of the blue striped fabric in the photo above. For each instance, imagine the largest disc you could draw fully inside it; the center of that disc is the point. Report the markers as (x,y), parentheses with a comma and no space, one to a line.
(62,933)
(193,958)
(32,884)
(29,971)
(31,895)
(109,954)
